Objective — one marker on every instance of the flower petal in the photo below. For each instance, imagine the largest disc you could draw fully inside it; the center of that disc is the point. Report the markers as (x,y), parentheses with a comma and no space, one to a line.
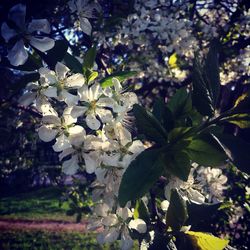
(67,117)
(52,119)
(75,81)
(104,114)
(17,14)
(18,55)
(42,25)
(62,142)
(90,162)
(78,111)
(47,134)
(68,98)
(83,93)
(95,92)
(50,92)
(7,32)
(70,166)
(27,99)
(110,220)
(42,43)
(165,205)
(61,70)
(92,122)
(139,225)
(85,25)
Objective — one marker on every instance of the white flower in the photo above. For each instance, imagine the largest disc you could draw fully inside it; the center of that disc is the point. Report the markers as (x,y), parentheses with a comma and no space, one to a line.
(95,106)
(59,83)
(187,189)
(118,224)
(18,55)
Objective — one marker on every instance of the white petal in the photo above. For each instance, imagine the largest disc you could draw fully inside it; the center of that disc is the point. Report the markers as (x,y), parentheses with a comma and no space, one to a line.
(117,85)
(67,117)
(62,142)
(52,119)
(126,240)
(47,134)
(66,152)
(76,130)
(110,220)
(78,111)
(27,99)
(104,114)
(61,70)
(68,98)
(49,75)
(83,93)
(92,122)
(45,107)
(95,92)
(102,209)
(75,81)
(90,162)
(136,147)
(111,235)
(50,92)
(122,134)
(124,213)
(7,32)
(42,43)
(17,14)
(110,160)
(139,225)
(42,25)
(85,25)
(70,166)
(196,196)
(18,55)
(106,102)
(165,205)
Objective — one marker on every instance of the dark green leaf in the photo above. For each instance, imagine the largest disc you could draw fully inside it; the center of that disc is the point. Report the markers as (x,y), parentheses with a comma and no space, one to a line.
(56,54)
(121,76)
(180,104)
(201,96)
(163,114)
(140,175)
(178,164)
(211,71)
(206,152)
(201,212)
(178,133)
(89,58)
(148,125)
(177,212)
(72,63)
(236,149)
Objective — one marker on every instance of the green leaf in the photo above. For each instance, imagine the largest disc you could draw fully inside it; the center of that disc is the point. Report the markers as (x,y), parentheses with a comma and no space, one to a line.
(148,125)
(242,103)
(206,82)
(236,149)
(56,54)
(178,133)
(163,114)
(211,71)
(241,120)
(140,175)
(89,58)
(121,76)
(180,104)
(177,211)
(201,96)
(205,152)
(72,63)
(204,241)
(178,164)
